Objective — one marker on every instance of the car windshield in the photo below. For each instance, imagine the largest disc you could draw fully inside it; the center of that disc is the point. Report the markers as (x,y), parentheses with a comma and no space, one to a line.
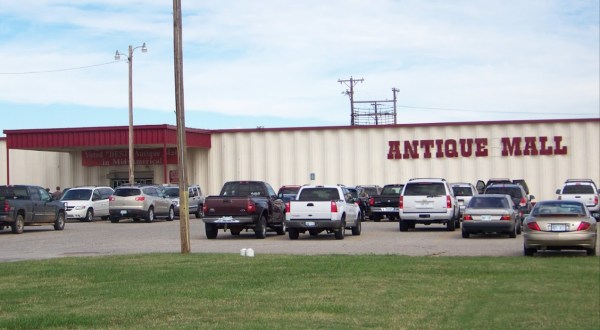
(319,194)
(512,192)
(425,189)
(488,203)
(392,190)
(243,189)
(16,192)
(558,208)
(171,192)
(126,192)
(578,189)
(289,191)
(372,191)
(77,195)
(462,191)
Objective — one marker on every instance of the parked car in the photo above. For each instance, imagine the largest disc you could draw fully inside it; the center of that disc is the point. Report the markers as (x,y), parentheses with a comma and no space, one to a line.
(584,190)
(287,193)
(386,203)
(559,225)
(482,186)
(463,191)
(365,192)
(195,199)
(323,208)
(140,201)
(426,201)
(28,205)
(520,198)
(491,214)
(85,203)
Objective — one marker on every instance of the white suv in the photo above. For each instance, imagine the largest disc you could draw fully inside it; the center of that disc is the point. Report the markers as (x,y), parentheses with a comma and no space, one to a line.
(583,190)
(85,203)
(428,201)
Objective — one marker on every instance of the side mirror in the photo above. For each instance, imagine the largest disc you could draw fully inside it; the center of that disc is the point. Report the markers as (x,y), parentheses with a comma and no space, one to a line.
(558,191)
(531,197)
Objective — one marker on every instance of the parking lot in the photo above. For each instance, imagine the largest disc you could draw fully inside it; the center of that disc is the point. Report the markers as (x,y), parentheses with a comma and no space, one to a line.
(104,238)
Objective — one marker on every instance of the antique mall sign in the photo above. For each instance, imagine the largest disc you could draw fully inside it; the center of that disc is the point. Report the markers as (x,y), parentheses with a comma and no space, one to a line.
(121,157)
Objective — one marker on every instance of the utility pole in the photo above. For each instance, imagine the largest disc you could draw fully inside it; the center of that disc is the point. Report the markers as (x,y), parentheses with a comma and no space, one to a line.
(350,83)
(184,214)
(395,92)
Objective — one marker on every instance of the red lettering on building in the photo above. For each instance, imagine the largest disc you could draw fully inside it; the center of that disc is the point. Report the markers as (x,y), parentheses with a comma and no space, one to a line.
(121,157)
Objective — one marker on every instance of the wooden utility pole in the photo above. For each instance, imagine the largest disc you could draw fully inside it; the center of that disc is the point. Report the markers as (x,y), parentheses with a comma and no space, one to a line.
(350,83)
(184,214)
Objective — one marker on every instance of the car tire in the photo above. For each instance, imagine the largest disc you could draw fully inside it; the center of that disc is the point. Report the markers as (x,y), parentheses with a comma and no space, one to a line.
(403,225)
(199,211)
(356,230)
(280,230)
(18,225)
(260,230)
(340,232)
(590,252)
(450,225)
(293,233)
(59,223)
(114,219)
(211,230)
(519,225)
(171,215)
(513,233)
(457,224)
(465,234)
(150,215)
(528,252)
(89,215)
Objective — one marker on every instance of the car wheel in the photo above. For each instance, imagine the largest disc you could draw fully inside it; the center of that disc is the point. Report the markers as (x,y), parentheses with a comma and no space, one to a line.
(114,219)
(403,225)
(519,225)
(529,251)
(457,224)
(260,230)
(357,229)
(450,225)
(465,234)
(89,215)
(590,252)
(340,232)
(211,230)
(18,225)
(171,215)
(59,223)
(293,233)
(199,211)
(150,215)
(513,233)
(281,229)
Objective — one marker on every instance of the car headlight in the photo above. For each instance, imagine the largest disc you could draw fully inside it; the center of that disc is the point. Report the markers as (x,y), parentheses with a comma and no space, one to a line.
(80,207)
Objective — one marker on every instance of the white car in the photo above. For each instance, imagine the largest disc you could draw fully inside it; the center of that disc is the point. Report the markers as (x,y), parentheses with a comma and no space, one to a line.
(583,190)
(427,201)
(463,191)
(86,203)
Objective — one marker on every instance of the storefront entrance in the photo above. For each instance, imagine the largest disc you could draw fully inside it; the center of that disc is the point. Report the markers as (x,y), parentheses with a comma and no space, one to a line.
(117,182)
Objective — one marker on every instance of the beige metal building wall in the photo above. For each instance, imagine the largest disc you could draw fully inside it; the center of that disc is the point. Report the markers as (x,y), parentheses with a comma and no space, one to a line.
(358,155)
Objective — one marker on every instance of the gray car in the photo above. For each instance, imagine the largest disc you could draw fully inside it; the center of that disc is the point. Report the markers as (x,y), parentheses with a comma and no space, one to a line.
(140,201)
(492,213)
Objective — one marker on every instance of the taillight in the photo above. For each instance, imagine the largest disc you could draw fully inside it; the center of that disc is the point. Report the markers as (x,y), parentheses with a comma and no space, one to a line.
(401,202)
(584,225)
(595,200)
(533,226)
(523,202)
(467,217)
(448,202)
(287,207)
(251,207)
(371,201)
(333,207)
(111,198)
(505,217)
(204,209)
(6,207)
(140,198)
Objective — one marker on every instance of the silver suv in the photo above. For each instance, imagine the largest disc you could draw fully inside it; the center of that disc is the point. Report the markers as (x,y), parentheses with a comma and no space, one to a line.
(140,201)
(85,203)
(428,201)
(195,199)
(583,190)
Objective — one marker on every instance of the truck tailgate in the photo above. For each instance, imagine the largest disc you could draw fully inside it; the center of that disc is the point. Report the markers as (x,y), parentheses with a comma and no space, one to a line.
(303,210)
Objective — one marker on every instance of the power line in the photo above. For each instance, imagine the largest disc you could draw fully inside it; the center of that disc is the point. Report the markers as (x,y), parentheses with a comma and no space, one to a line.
(492,111)
(58,70)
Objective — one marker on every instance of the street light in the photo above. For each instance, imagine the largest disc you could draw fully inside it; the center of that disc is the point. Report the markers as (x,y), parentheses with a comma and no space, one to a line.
(130,62)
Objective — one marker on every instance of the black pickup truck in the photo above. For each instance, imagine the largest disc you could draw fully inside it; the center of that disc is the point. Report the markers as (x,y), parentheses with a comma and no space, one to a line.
(244,205)
(386,203)
(25,205)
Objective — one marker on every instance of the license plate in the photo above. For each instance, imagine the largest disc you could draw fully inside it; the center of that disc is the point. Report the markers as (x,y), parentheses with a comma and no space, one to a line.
(558,227)
(226,220)
(486,218)
(310,223)
(424,215)
(387,209)
(123,212)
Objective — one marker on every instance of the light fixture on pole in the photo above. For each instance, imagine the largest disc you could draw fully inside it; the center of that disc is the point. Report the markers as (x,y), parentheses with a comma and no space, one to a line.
(130,62)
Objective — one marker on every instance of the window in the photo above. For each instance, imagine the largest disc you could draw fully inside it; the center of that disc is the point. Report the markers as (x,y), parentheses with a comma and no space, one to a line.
(425,189)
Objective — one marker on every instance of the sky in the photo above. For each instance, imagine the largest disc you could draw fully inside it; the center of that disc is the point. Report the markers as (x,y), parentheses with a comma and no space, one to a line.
(277,63)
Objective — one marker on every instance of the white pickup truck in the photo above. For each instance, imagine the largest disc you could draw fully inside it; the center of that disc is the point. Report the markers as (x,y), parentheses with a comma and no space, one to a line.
(583,190)
(322,208)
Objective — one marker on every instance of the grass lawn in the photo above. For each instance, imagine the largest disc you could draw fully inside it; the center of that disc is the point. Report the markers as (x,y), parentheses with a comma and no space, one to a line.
(227,291)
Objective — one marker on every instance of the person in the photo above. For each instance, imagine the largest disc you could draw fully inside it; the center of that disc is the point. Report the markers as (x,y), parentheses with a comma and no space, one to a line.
(57,194)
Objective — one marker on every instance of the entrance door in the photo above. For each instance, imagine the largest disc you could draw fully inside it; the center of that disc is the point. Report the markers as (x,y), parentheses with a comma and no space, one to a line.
(117,182)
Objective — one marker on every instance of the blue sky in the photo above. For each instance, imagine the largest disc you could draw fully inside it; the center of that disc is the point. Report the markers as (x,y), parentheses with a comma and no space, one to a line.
(276,63)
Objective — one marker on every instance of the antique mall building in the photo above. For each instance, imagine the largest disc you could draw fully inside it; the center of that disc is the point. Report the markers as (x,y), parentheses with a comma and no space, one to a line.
(543,152)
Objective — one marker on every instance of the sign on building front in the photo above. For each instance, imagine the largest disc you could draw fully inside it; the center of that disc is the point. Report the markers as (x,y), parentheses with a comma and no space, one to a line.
(121,157)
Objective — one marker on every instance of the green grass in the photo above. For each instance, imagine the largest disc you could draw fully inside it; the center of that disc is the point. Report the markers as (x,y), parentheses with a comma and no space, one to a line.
(226,291)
